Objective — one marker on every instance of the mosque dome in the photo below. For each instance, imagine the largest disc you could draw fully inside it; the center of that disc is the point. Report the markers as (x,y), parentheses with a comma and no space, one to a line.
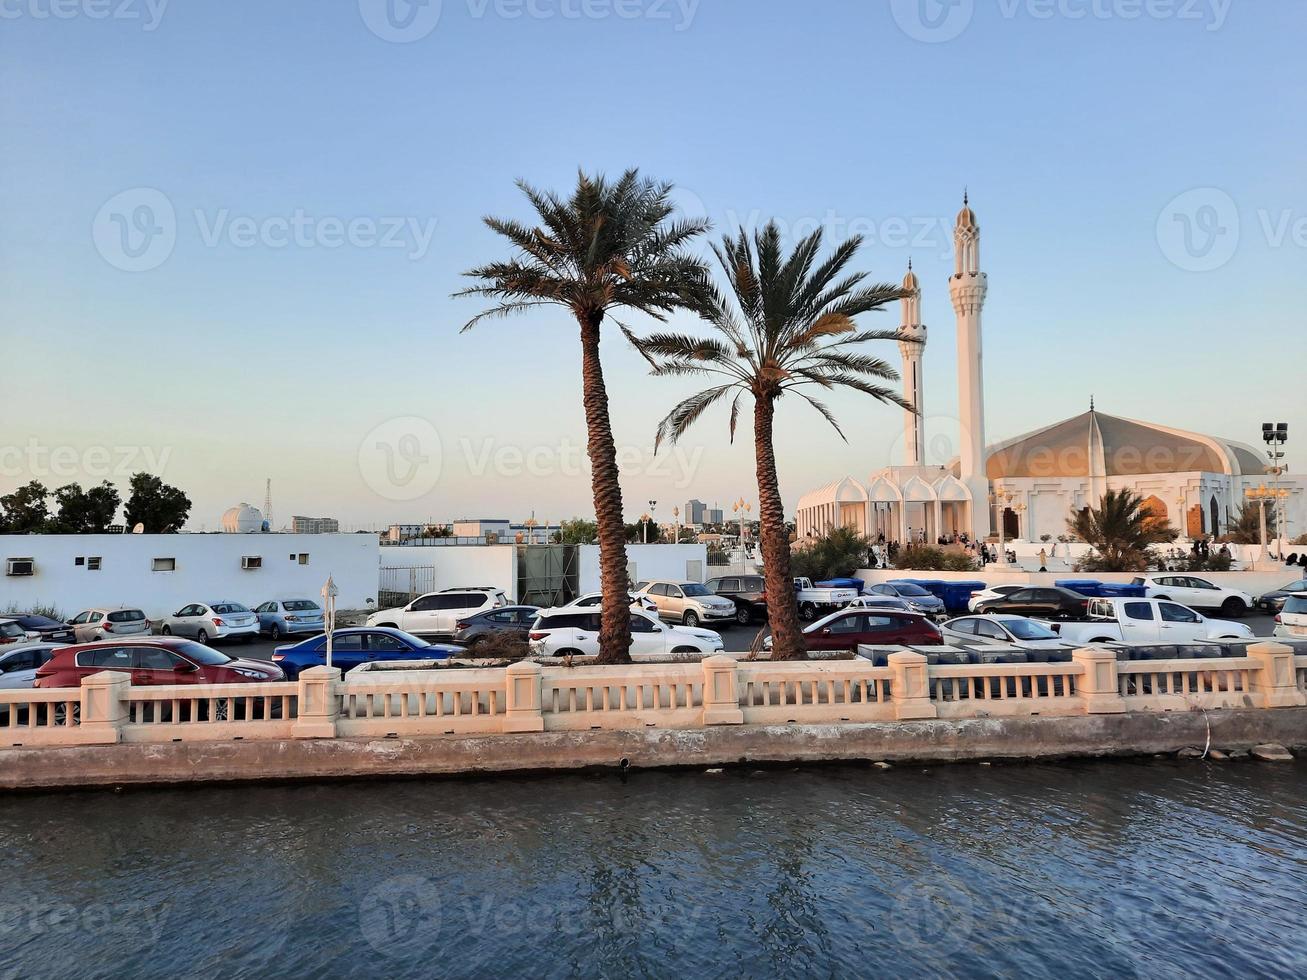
(242,519)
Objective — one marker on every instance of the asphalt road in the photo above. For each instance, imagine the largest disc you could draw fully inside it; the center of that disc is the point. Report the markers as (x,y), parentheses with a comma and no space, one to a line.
(738,639)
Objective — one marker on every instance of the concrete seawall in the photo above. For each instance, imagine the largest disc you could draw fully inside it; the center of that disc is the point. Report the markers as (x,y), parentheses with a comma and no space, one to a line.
(935,741)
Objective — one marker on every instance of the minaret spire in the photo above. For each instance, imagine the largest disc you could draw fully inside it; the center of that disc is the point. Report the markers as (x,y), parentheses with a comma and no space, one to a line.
(912,347)
(968,288)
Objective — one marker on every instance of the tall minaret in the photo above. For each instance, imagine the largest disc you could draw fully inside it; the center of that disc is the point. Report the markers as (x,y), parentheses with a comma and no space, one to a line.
(912,348)
(968,287)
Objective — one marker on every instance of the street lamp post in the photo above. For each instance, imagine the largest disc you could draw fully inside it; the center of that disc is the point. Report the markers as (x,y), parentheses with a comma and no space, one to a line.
(742,508)
(1275,435)
(329,593)
(676,525)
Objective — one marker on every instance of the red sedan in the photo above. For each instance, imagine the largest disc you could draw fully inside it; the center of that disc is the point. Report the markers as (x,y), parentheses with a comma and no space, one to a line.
(846,629)
(162,660)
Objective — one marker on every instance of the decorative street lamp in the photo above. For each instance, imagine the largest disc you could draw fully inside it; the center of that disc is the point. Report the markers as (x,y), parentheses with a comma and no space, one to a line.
(676,524)
(1263,494)
(1275,435)
(329,593)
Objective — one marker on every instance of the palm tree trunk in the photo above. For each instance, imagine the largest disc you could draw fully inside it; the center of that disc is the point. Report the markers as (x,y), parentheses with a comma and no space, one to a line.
(615,613)
(782,608)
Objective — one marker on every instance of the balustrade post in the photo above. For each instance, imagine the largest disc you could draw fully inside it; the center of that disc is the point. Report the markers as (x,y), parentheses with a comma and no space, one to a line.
(910,685)
(319,703)
(105,698)
(1275,682)
(721,694)
(522,697)
(1097,684)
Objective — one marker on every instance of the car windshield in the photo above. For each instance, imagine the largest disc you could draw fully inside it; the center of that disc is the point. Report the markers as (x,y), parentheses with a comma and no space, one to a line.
(692,589)
(408,638)
(229,607)
(200,654)
(915,591)
(1024,630)
(39,622)
(11,630)
(1296,605)
(300,605)
(126,616)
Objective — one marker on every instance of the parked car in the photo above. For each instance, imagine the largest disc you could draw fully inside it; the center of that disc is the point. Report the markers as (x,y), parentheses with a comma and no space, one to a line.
(1272,602)
(47,629)
(97,624)
(438,613)
(1044,602)
(1190,590)
(814,601)
(993,592)
(207,621)
(592,600)
(848,628)
(511,620)
(1146,621)
(157,660)
(688,603)
(880,602)
(359,645)
(917,598)
(18,670)
(748,592)
(286,617)
(1002,630)
(11,634)
(564,634)
(1291,621)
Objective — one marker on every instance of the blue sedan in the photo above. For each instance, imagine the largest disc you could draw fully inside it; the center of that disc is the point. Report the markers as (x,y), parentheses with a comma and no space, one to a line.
(351,647)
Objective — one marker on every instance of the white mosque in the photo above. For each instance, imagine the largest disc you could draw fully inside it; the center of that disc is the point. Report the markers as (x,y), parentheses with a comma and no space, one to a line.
(1033,483)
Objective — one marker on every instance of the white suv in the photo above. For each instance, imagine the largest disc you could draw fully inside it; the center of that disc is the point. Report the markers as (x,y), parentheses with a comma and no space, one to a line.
(438,613)
(593,600)
(1189,590)
(1291,622)
(688,602)
(561,633)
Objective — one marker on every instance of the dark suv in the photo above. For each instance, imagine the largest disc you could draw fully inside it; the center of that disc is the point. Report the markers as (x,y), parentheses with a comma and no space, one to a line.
(1043,603)
(746,591)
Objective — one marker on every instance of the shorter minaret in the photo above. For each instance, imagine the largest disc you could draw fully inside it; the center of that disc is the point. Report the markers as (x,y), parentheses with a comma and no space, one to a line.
(912,347)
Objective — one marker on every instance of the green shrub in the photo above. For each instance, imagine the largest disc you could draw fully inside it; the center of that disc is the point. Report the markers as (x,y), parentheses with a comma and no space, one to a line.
(926,558)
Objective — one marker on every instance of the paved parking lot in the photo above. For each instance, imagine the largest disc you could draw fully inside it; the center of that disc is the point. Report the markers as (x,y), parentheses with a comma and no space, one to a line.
(738,639)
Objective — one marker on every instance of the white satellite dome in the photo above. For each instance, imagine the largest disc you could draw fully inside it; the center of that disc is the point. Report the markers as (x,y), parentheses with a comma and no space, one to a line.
(242,519)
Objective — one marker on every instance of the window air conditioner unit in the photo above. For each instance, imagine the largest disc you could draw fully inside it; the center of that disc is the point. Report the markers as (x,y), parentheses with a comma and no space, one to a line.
(20,566)
(252,561)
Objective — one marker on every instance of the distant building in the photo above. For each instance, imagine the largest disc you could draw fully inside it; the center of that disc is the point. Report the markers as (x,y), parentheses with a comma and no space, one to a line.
(695,511)
(714,515)
(242,519)
(314,525)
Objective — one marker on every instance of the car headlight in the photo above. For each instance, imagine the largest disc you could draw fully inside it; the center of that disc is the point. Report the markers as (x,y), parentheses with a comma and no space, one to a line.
(253,674)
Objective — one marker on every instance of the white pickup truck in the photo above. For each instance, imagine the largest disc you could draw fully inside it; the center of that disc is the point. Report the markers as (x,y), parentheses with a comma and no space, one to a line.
(814,602)
(1146,621)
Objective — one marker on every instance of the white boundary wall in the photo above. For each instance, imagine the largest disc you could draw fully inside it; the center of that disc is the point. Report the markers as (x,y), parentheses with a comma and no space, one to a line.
(1254,583)
(208,568)
(491,565)
(682,562)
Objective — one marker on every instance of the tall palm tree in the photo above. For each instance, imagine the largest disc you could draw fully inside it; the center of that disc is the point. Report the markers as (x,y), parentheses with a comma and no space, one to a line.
(610,245)
(787,325)
(1120,530)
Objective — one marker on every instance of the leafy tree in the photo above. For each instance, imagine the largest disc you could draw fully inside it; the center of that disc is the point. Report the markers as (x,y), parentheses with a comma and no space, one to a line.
(837,554)
(611,245)
(789,325)
(636,533)
(161,508)
(576,531)
(25,511)
(85,511)
(1120,530)
(927,558)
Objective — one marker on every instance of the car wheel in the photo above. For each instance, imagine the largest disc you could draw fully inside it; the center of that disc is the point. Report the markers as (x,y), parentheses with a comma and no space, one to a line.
(742,615)
(221,710)
(686,650)
(166,631)
(202,637)
(61,714)
(807,612)
(1234,606)
(691,618)
(274,631)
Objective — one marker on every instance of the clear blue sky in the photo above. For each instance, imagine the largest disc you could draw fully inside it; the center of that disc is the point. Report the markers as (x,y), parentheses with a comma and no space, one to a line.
(244,354)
